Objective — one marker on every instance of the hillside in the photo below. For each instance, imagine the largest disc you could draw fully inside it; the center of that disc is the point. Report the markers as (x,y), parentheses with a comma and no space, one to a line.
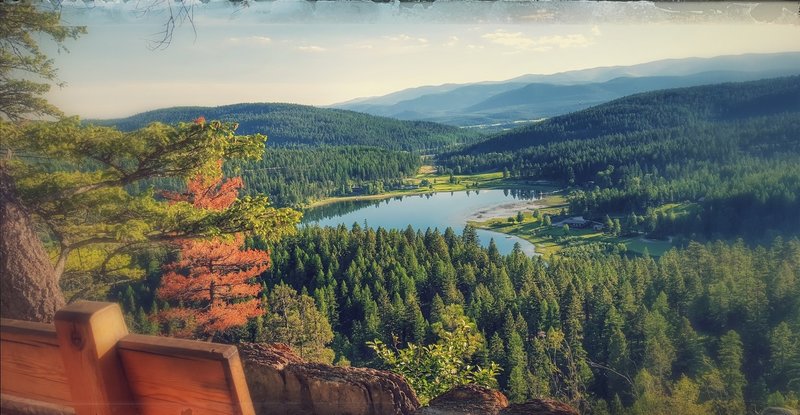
(731,150)
(313,153)
(653,110)
(532,97)
(290,124)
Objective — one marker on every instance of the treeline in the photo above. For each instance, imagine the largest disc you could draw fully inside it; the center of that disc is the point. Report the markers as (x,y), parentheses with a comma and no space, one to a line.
(707,329)
(290,124)
(722,152)
(294,176)
(297,175)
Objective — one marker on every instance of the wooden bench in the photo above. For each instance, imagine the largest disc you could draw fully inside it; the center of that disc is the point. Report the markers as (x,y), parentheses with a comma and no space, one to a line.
(88,363)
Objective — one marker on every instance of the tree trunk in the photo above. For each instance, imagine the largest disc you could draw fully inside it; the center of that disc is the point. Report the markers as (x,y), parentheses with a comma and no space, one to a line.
(28,287)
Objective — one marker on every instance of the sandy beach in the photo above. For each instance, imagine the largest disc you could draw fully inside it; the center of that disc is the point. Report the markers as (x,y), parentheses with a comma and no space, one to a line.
(507,209)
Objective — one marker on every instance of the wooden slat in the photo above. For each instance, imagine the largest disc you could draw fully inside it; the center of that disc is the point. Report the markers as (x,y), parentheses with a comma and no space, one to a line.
(238,385)
(30,363)
(173,376)
(14,405)
(89,353)
(88,333)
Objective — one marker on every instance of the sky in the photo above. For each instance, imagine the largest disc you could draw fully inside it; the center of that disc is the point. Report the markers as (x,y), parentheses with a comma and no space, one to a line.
(321,53)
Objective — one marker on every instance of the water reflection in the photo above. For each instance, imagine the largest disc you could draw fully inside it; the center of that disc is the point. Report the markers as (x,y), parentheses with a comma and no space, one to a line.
(432,210)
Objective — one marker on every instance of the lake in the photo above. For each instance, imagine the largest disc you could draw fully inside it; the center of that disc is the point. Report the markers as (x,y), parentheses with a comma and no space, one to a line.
(437,210)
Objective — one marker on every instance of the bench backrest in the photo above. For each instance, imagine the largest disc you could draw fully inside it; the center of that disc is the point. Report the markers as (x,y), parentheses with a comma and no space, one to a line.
(88,363)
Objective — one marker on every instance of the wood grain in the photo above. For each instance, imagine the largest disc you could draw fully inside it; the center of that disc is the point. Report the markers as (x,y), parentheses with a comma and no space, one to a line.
(14,405)
(31,363)
(238,385)
(172,376)
(88,333)
(90,364)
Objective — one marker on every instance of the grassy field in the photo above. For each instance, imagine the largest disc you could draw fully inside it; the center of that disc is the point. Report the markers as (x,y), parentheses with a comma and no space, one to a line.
(550,240)
(678,209)
(427,181)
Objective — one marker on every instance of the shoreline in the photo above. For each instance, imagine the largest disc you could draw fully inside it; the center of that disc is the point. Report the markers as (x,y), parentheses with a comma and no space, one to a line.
(493,184)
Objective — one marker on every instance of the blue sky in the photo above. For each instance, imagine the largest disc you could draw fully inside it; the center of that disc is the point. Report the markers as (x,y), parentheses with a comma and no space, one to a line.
(321,53)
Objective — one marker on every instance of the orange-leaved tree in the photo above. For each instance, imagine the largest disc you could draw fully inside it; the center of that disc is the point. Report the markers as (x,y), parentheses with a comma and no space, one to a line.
(212,284)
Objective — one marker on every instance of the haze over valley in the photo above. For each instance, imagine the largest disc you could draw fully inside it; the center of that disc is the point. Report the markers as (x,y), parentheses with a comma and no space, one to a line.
(532,97)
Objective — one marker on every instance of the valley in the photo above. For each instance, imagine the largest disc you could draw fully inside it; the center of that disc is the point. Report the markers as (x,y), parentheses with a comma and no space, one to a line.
(620,239)
(613,163)
(627,174)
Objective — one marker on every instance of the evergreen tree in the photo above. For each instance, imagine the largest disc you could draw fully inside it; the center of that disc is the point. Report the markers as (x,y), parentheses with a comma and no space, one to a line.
(724,385)
(616,351)
(609,224)
(690,352)
(294,319)
(26,72)
(517,385)
(617,227)
(659,353)
(784,356)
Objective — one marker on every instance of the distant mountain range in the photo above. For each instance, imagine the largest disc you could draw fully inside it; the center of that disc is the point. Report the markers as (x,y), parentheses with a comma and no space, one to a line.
(499,105)
(293,125)
(413,119)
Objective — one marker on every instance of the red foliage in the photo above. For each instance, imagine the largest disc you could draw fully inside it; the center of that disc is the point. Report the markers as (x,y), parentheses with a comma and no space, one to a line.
(213,193)
(213,280)
(200,120)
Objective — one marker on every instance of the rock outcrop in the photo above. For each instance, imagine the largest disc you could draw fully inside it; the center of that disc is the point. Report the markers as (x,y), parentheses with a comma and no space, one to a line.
(280,382)
(478,400)
(464,400)
(539,407)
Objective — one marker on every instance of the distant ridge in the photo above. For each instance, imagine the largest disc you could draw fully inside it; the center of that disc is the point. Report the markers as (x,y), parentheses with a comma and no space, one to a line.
(655,110)
(530,97)
(291,125)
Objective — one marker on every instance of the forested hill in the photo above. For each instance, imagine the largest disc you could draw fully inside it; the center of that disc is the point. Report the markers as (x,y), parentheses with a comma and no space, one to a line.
(729,153)
(655,110)
(290,124)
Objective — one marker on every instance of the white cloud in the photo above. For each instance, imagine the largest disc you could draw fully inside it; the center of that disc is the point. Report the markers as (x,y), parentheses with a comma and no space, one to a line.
(568,41)
(406,38)
(359,45)
(401,37)
(520,42)
(451,41)
(311,48)
(250,40)
(596,30)
(515,40)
